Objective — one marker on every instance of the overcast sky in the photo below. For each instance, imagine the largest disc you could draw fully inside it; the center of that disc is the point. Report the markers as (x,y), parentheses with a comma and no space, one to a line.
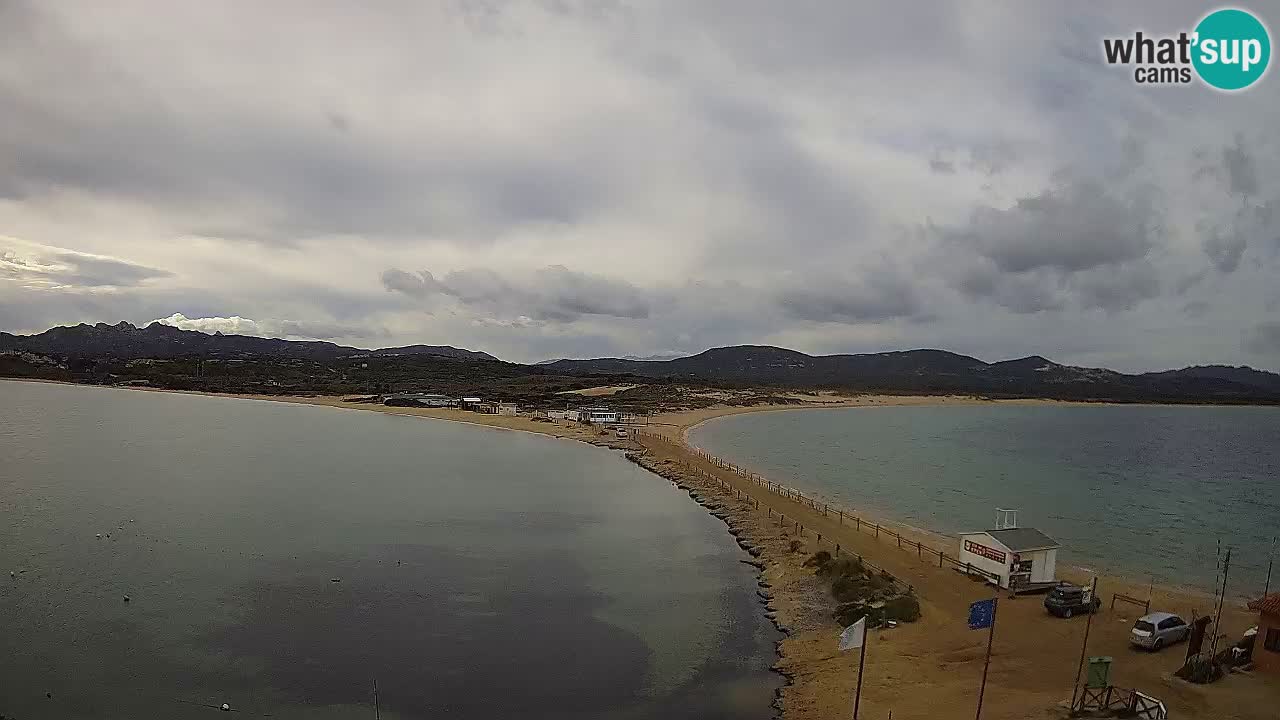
(574,179)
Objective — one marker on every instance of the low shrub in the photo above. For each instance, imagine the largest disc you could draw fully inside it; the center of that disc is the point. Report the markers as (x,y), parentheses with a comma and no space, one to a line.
(818,560)
(903,608)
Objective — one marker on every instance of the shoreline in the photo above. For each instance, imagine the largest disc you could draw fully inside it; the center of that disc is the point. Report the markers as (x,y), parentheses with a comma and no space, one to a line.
(887,518)
(936,656)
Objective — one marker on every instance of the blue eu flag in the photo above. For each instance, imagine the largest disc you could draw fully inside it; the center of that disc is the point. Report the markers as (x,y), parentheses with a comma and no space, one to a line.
(982,614)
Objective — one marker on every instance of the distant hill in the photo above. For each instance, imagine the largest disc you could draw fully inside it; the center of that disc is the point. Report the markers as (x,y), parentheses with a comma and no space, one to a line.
(126,341)
(934,371)
(88,348)
(1242,375)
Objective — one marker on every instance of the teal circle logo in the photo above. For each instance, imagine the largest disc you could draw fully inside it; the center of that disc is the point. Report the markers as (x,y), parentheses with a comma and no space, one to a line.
(1232,49)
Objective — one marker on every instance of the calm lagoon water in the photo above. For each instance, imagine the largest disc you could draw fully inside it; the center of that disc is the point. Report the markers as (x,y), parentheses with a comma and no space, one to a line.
(483,573)
(1147,491)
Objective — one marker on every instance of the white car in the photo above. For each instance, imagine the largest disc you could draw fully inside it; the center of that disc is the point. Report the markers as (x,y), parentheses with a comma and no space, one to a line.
(1153,632)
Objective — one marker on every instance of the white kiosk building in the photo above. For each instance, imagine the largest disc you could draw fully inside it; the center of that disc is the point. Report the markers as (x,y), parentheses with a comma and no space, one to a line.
(1015,558)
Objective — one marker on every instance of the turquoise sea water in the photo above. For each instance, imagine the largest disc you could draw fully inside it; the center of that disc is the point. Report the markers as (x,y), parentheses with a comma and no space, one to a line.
(1148,491)
(479,573)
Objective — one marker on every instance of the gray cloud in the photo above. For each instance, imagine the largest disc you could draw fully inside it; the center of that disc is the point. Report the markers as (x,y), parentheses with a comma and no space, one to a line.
(311,330)
(1242,174)
(1264,339)
(874,298)
(942,167)
(56,267)
(1225,249)
(1073,227)
(1076,244)
(553,293)
(416,285)
(633,178)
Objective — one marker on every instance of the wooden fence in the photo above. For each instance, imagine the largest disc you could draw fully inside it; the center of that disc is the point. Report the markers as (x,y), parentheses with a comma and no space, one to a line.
(844,517)
(1112,699)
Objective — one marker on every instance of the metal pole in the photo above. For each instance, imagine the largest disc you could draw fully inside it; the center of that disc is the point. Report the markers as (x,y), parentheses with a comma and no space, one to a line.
(995,602)
(1271,558)
(1085,645)
(862,660)
(377,713)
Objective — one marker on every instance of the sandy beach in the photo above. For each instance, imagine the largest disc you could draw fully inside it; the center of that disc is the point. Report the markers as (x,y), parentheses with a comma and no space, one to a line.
(927,669)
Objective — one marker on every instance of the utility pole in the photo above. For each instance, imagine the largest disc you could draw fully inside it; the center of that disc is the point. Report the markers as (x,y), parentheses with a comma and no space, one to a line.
(1226,565)
(1093,593)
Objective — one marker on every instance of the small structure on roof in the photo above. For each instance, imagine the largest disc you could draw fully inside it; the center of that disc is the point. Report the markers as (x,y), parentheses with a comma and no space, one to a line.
(1266,644)
(1014,558)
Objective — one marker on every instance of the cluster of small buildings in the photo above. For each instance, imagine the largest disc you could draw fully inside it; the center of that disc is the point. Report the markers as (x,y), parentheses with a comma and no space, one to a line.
(598,415)
(435,400)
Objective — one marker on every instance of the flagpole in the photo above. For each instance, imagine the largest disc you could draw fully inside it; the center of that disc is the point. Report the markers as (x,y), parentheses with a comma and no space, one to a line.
(995,601)
(862,660)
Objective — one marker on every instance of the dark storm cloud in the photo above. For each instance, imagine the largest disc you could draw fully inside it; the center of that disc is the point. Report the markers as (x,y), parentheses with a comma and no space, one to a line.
(1077,244)
(553,293)
(1073,227)
(876,297)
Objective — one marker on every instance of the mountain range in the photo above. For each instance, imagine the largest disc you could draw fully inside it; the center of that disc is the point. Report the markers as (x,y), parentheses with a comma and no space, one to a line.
(915,371)
(931,371)
(126,341)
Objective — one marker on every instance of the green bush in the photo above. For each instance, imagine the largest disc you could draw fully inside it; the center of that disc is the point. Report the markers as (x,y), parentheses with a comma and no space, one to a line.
(818,560)
(845,566)
(903,608)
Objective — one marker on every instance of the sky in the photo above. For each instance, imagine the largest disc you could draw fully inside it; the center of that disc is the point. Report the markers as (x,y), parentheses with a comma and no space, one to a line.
(556,178)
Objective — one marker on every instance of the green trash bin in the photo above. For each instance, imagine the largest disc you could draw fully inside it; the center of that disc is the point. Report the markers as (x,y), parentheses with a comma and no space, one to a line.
(1099,672)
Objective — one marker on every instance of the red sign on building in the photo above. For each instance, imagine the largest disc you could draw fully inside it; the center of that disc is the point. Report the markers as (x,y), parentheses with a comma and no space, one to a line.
(984,551)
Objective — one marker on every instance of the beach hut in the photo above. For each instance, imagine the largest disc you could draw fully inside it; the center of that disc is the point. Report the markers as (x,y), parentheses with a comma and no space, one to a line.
(1015,558)
(599,415)
(1266,644)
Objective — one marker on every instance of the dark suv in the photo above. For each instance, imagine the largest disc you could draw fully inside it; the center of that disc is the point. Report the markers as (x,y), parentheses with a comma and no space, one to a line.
(1067,600)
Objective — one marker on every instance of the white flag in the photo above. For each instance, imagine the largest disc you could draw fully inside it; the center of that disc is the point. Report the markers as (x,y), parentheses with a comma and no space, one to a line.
(854,635)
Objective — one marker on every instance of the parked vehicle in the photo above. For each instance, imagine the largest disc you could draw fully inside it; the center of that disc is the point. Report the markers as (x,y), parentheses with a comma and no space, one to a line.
(621,432)
(1066,600)
(1153,632)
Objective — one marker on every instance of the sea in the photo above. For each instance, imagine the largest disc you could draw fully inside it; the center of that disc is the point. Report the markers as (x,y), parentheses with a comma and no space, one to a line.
(1150,493)
(170,553)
